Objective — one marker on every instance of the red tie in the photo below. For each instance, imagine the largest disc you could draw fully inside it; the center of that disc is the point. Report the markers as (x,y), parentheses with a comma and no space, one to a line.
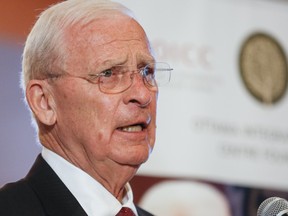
(125,212)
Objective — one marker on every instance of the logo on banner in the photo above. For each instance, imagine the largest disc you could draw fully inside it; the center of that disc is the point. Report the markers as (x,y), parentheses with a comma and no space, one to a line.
(263,68)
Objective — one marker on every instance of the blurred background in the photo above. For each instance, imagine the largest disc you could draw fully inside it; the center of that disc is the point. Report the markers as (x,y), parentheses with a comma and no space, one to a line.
(222,132)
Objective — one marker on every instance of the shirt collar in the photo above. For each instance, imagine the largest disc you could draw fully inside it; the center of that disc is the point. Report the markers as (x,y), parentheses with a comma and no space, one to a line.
(92,196)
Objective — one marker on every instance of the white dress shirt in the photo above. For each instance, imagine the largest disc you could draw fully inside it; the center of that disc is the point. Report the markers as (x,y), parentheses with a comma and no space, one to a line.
(92,196)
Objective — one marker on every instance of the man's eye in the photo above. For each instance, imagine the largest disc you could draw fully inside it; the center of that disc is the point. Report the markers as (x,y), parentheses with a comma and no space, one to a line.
(107,73)
(148,71)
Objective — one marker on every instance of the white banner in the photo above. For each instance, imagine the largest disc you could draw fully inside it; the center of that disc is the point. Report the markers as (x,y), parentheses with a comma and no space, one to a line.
(216,121)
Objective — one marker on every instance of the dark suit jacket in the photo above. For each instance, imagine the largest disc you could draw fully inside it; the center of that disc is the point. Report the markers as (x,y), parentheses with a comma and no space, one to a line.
(41,193)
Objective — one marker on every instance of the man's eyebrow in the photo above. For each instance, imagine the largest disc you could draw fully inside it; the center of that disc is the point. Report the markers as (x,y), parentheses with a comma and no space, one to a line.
(99,66)
(145,58)
(113,62)
(139,59)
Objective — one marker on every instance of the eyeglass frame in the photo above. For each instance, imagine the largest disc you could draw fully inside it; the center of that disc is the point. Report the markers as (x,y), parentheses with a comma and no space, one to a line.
(91,77)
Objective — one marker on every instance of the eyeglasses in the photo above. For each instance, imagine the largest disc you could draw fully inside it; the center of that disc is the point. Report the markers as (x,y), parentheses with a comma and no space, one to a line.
(119,78)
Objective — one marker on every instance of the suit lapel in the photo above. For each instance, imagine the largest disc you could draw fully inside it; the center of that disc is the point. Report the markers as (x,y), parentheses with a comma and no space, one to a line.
(142,212)
(56,199)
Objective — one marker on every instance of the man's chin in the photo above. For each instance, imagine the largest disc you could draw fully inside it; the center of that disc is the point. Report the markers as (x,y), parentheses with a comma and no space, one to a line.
(134,161)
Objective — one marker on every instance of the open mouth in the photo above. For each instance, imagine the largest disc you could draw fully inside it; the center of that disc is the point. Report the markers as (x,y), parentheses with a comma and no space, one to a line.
(133,128)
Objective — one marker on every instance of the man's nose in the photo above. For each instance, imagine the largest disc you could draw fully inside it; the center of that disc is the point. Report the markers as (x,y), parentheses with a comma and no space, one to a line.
(139,92)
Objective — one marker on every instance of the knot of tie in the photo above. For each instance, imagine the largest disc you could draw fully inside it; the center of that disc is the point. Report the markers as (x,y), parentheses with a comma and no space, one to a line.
(125,212)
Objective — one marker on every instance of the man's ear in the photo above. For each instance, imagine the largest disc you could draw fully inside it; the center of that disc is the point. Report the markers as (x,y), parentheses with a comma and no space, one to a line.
(41,101)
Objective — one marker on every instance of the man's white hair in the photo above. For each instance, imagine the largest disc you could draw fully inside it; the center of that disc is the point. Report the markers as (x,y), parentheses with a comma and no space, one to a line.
(44,45)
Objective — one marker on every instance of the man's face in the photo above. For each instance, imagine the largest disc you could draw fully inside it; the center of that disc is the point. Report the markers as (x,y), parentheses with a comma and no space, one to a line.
(98,127)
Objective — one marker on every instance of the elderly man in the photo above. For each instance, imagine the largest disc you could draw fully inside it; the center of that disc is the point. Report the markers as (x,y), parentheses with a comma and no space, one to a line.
(91,83)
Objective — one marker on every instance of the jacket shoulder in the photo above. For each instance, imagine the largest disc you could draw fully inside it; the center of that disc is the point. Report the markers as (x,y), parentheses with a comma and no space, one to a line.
(18,198)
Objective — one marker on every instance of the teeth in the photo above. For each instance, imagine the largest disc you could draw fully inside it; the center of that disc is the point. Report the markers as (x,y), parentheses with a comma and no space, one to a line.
(134,128)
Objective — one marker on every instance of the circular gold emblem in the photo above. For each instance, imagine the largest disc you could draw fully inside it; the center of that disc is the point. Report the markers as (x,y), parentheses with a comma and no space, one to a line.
(263,68)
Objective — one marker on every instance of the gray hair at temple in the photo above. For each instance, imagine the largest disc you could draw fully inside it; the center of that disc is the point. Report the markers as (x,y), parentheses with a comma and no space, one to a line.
(45,46)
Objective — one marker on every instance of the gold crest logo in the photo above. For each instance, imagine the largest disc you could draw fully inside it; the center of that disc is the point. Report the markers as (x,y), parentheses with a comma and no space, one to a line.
(263,68)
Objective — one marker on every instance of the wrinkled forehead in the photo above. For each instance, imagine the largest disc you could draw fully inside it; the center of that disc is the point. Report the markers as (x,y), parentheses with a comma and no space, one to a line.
(111,36)
(105,28)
